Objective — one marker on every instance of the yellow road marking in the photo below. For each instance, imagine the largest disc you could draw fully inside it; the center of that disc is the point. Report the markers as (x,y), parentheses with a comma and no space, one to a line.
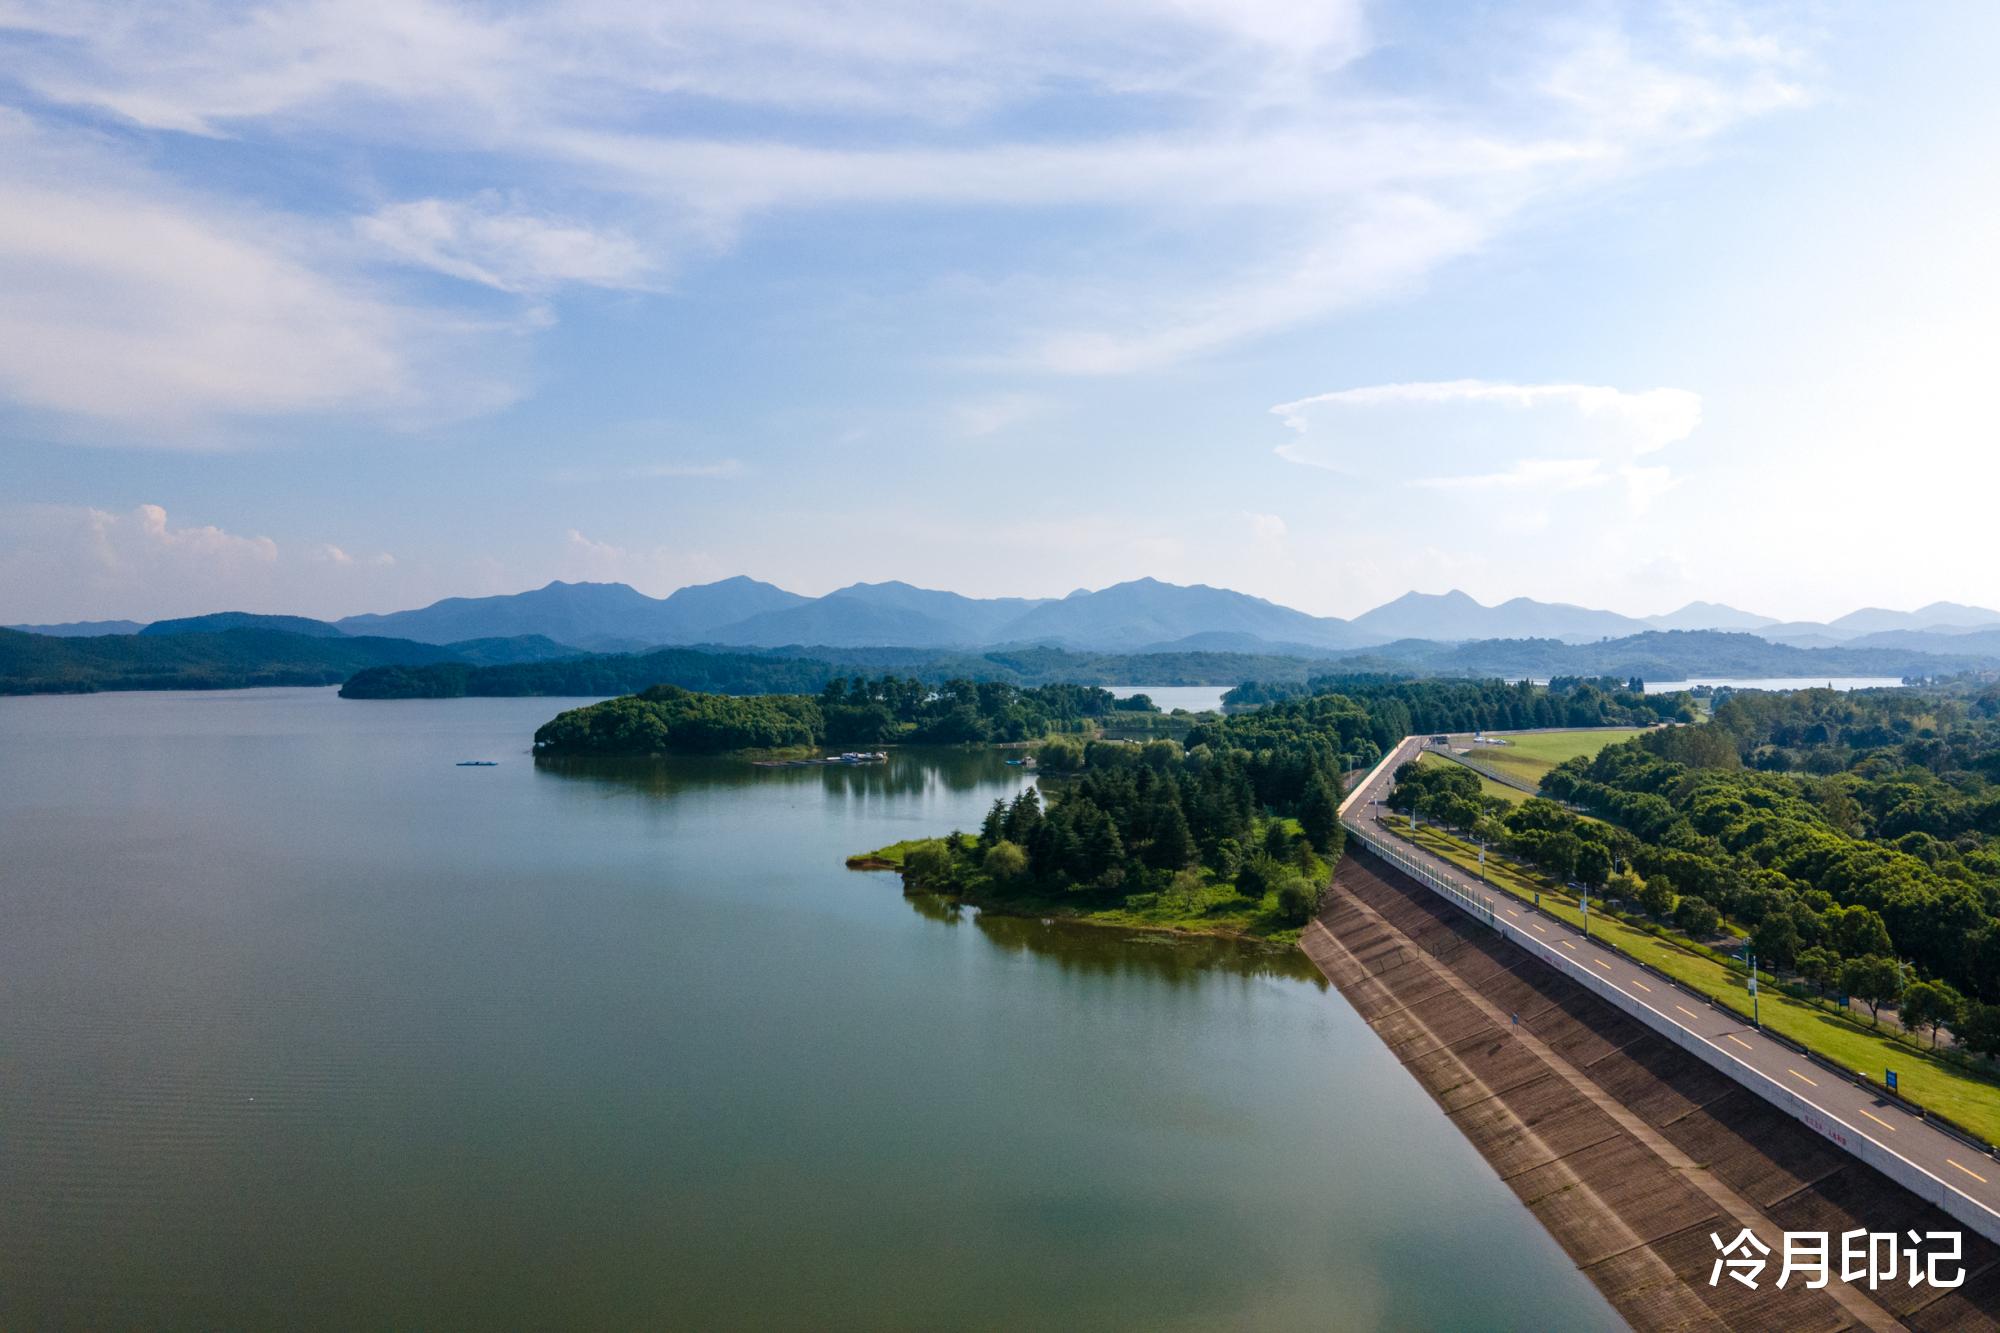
(1739,1041)
(1512,912)
(1969,1171)
(1569,946)
(1689,1012)
(1601,963)
(1802,1078)
(1878,1120)
(1643,986)
(1538,928)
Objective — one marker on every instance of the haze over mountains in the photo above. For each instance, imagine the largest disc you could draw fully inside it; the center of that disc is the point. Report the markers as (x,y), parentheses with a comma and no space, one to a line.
(1143,615)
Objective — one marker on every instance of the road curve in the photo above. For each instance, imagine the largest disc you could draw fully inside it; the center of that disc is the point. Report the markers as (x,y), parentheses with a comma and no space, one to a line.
(1867,1123)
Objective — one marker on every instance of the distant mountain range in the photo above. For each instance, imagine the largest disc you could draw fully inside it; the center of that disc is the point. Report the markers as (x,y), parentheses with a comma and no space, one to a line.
(82,629)
(234,656)
(1144,615)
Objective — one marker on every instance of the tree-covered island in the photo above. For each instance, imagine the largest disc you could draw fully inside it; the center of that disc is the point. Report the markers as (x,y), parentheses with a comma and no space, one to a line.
(667,719)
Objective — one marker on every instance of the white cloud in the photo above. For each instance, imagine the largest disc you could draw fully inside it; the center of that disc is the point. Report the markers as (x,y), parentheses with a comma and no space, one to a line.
(1250,173)
(131,300)
(483,240)
(1476,435)
(656,569)
(60,562)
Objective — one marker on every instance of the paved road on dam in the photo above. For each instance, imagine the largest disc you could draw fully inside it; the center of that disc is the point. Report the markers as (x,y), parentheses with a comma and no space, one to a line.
(1845,1112)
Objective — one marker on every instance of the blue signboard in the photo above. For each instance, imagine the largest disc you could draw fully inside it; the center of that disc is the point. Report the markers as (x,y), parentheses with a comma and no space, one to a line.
(1892,1080)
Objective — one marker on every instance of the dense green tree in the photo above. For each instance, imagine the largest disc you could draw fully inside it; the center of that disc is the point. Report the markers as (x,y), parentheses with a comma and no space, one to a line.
(1874,980)
(1820,966)
(1172,844)
(1658,898)
(1930,1004)
(1006,862)
(1978,1028)
(1593,863)
(1298,896)
(1776,940)
(1696,918)
(1319,816)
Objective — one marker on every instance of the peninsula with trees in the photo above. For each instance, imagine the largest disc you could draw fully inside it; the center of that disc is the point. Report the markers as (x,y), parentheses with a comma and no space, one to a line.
(1231,828)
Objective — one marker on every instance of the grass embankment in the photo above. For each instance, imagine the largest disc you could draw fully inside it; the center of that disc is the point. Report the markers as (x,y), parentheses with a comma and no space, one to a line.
(1931,1080)
(1528,755)
(1215,908)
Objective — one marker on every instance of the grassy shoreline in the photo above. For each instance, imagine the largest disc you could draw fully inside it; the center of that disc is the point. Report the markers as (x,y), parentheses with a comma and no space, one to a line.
(1219,914)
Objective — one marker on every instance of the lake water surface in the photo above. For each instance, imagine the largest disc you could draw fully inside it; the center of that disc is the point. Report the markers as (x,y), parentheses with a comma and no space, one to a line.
(302,1025)
(1194,698)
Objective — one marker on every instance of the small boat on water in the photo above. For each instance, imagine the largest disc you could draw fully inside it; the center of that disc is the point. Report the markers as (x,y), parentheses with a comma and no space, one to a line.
(478,763)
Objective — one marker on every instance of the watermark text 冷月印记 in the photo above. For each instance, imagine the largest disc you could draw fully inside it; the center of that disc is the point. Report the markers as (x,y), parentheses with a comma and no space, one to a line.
(1874,1257)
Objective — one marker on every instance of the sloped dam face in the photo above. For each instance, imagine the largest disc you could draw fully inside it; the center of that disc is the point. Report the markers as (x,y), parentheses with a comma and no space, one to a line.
(1629,1151)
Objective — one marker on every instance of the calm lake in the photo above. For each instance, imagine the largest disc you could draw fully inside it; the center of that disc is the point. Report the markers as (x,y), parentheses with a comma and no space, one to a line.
(1194,698)
(302,1025)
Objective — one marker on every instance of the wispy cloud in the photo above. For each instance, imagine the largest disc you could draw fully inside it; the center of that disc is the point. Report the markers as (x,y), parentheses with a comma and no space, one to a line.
(133,300)
(1228,170)
(485,240)
(1477,435)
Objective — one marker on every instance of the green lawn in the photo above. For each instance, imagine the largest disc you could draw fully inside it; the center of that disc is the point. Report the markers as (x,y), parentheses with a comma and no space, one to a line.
(1944,1087)
(1528,755)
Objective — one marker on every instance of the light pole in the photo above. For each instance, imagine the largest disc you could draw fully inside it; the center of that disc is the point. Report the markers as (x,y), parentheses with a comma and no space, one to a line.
(1586,911)
(1755,1021)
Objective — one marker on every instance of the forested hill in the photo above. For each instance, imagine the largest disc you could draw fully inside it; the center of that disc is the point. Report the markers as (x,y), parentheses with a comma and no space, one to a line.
(1402,706)
(719,671)
(229,659)
(667,719)
(1658,655)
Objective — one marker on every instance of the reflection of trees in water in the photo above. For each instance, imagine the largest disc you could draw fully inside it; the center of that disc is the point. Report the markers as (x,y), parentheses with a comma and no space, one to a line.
(910,772)
(933,907)
(1108,951)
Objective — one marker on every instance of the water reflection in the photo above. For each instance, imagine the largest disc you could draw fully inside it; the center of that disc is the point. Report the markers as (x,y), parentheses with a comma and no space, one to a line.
(907,772)
(916,772)
(1092,950)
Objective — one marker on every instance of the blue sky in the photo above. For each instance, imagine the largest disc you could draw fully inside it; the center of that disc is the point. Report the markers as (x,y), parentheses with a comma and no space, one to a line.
(329,307)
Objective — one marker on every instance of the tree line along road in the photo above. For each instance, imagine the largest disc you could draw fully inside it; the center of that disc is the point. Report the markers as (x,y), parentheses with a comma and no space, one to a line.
(1934,1163)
